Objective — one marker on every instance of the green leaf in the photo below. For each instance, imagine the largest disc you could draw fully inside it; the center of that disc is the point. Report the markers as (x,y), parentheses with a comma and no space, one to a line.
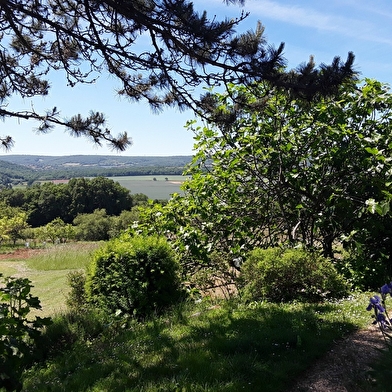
(373,151)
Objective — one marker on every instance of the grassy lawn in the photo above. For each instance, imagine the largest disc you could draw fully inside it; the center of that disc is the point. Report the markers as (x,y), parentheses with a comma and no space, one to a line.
(224,346)
(48,270)
(209,346)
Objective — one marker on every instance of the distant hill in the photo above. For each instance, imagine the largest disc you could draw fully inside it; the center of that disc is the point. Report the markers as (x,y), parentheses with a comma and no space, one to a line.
(107,161)
(12,174)
(15,169)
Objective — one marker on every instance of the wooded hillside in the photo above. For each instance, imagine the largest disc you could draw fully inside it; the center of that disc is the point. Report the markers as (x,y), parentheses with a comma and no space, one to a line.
(17,169)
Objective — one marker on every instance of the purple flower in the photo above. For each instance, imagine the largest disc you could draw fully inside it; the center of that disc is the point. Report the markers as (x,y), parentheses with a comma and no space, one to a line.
(375,303)
(382,320)
(385,289)
(381,317)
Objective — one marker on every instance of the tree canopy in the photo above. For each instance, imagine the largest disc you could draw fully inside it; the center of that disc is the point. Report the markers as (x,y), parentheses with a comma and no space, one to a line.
(46,202)
(184,49)
(13,221)
(287,172)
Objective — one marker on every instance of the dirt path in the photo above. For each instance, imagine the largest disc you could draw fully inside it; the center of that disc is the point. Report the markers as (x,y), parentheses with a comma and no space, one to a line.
(345,368)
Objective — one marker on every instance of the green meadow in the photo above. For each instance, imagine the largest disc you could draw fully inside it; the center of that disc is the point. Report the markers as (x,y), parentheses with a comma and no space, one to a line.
(160,188)
(48,269)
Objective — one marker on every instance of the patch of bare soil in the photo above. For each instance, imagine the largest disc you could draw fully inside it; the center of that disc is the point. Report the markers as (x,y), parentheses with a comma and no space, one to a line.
(345,368)
(15,260)
(20,254)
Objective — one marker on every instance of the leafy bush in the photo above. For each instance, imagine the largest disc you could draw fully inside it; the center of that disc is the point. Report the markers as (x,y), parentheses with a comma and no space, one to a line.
(93,227)
(18,334)
(364,270)
(70,328)
(135,275)
(283,275)
(76,298)
(56,231)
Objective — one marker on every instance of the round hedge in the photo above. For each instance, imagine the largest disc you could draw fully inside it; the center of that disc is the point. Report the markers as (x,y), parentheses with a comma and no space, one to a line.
(277,274)
(136,275)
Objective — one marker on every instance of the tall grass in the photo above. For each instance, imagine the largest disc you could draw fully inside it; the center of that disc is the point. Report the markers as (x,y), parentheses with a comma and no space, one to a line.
(48,270)
(63,257)
(226,347)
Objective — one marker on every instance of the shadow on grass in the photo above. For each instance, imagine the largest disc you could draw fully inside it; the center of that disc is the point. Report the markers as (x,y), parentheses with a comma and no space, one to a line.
(224,349)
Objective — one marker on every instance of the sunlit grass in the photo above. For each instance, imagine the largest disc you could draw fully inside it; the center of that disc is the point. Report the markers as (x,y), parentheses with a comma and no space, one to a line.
(48,270)
(222,346)
(228,347)
(9,268)
(63,257)
(51,288)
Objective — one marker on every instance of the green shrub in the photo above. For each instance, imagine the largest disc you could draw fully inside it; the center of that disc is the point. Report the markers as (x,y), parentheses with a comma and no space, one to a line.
(19,333)
(276,274)
(93,227)
(76,298)
(136,275)
(364,271)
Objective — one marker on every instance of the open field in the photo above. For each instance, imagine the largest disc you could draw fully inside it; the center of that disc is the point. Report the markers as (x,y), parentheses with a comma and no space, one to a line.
(48,269)
(160,188)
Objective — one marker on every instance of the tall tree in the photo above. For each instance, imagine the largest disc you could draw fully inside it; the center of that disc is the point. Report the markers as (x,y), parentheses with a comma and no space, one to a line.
(287,172)
(46,202)
(13,221)
(185,49)
(109,195)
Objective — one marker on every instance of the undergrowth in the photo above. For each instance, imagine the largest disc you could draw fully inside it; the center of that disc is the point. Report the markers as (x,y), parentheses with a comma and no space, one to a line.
(210,346)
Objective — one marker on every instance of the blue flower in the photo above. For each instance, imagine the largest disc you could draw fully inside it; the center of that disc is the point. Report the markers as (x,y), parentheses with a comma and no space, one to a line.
(375,303)
(385,289)
(381,317)
(382,320)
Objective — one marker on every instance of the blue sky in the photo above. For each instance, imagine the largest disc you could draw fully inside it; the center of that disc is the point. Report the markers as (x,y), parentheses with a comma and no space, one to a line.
(307,27)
